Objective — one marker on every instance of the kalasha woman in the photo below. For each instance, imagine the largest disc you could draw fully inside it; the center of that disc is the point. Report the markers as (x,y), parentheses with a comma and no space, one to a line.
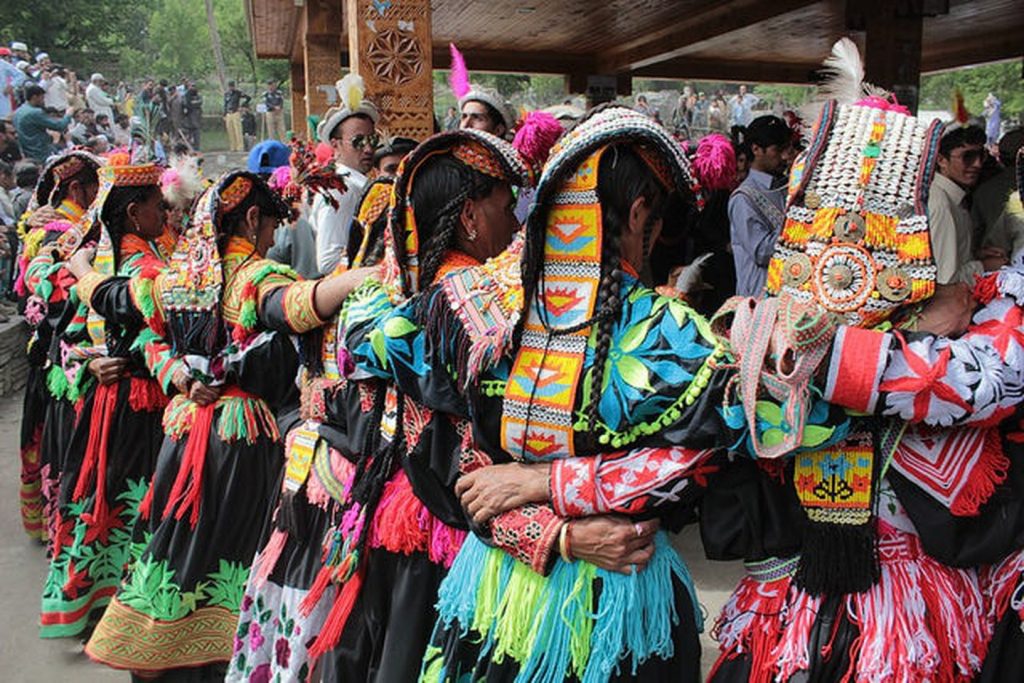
(228,314)
(861,556)
(115,440)
(583,586)
(66,188)
(386,548)
(273,635)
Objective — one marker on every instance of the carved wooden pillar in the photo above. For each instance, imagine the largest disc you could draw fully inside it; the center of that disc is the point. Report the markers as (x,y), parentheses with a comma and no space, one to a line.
(389,45)
(322,54)
(298,87)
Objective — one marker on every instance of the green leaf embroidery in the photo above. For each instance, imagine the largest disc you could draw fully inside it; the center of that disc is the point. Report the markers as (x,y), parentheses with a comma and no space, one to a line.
(398,327)
(634,373)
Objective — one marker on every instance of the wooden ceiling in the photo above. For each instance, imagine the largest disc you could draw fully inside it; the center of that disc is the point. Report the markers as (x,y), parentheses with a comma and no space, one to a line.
(752,40)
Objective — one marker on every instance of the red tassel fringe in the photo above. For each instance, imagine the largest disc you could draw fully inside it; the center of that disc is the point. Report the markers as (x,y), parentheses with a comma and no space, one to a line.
(330,632)
(96,450)
(187,490)
(989,472)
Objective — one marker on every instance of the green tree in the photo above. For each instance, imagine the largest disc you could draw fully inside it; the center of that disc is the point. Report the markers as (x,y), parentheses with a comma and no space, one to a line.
(1001,78)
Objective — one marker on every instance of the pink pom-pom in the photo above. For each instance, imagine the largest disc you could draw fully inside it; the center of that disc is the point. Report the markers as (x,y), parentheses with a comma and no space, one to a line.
(169,178)
(715,163)
(536,136)
(876,102)
(59,226)
(280,178)
(324,153)
(458,75)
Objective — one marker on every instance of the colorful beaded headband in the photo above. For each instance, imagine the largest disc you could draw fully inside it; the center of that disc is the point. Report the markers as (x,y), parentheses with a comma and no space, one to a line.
(235,193)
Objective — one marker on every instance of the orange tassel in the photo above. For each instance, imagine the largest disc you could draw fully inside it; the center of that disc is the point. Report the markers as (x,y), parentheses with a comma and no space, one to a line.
(187,491)
(316,591)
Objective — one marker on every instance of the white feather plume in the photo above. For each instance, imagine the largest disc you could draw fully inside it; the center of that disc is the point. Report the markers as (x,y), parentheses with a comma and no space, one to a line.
(350,91)
(845,71)
(689,279)
(182,182)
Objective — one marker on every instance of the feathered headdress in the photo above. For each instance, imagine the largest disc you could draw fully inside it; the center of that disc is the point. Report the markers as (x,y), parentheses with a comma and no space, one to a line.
(307,172)
(464,91)
(351,102)
(182,182)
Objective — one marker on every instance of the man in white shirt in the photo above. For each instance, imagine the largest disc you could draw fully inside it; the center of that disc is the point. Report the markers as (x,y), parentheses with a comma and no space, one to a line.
(961,156)
(97,99)
(350,131)
(56,87)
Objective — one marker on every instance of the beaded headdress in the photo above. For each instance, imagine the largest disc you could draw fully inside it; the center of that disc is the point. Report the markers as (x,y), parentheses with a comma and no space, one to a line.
(480,151)
(372,217)
(856,235)
(562,274)
(191,295)
(61,168)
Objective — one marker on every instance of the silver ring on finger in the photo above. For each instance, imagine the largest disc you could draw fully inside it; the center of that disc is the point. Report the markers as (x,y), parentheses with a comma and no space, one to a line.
(638,529)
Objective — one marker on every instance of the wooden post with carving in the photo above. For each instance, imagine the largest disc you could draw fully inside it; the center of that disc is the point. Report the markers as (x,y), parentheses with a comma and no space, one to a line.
(298,87)
(389,45)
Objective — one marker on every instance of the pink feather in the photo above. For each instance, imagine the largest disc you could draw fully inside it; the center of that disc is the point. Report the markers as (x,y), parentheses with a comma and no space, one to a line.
(458,75)
(280,178)
(536,136)
(715,163)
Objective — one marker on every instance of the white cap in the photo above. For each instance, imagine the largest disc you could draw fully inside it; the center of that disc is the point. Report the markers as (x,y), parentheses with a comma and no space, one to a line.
(22,64)
(493,98)
(96,78)
(42,55)
(19,46)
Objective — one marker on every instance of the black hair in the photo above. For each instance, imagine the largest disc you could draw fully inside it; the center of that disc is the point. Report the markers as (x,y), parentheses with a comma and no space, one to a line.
(960,137)
(622,177)
(6,167)
(115,211)
(26,173)
(737,135)
(337,127)
(87,176)
(260,196)
(33,90)
(439,191)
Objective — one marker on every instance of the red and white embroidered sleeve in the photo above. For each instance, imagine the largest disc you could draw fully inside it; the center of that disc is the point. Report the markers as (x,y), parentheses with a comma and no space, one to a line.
(627,482)
(975,379)
(529,534)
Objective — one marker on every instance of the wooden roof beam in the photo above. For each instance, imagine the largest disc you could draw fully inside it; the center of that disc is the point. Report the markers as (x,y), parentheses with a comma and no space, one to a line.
(987,47)
(688,68)
(511,61)
(679,37)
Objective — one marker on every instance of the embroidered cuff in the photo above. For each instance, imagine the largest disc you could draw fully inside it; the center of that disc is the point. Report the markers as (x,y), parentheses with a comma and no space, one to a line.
(855,368)
(87,285)
(300,307)
(529,534)
(574,486)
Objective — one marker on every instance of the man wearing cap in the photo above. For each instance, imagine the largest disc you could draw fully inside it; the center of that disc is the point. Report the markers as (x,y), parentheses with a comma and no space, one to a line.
(233,101)
(20,51)
(97,99)
(387,158)
(273,100)
(485,109)
(349,129)
(33,125)
(757,206)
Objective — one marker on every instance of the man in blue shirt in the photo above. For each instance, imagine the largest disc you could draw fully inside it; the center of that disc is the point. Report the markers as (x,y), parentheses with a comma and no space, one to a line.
(33,125)
(757,207)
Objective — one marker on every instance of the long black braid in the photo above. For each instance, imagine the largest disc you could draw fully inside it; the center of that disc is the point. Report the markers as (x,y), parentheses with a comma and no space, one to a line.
(115,213)
(442,187)
(622,178)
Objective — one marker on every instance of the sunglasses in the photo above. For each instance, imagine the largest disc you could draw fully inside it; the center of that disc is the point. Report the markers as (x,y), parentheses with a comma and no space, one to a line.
(360,141)
(972,156)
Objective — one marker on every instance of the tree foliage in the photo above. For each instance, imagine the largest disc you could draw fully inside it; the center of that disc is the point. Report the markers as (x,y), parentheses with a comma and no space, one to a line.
(1002,78)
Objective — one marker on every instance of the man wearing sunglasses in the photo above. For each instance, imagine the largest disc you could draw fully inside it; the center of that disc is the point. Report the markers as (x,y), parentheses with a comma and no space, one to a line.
(958,166)
(350,131)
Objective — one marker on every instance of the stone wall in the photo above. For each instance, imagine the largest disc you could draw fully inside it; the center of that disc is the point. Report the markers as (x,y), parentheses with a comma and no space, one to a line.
(13,361)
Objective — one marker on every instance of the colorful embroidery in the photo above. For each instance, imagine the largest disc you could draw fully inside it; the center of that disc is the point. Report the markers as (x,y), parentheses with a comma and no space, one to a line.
(835,485)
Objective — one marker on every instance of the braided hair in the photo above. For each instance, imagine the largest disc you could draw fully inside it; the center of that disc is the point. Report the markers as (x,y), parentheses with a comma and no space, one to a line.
(622,178)
(442,187)
(260,196)
(86,176)
(115,212)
